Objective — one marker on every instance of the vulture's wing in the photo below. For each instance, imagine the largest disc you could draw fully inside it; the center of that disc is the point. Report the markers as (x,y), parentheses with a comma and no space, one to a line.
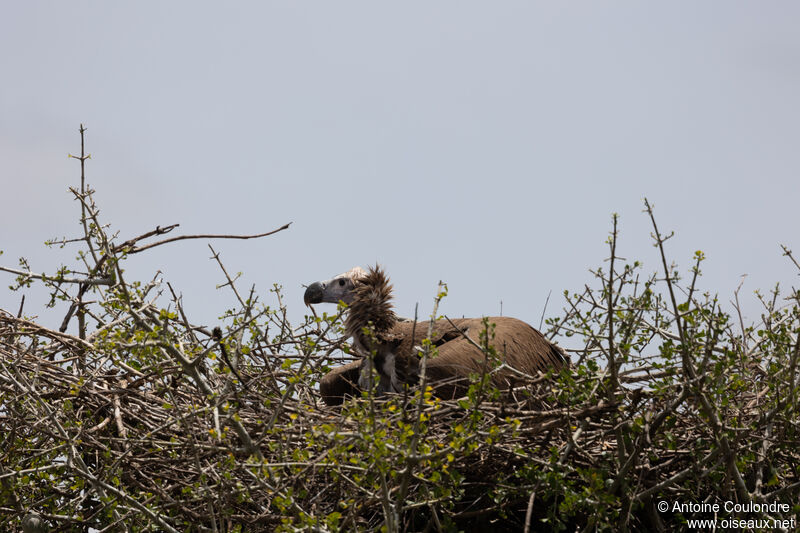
(340,382)
(517,344)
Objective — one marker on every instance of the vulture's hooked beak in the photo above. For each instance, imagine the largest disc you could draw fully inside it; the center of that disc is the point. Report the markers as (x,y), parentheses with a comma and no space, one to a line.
(313,294)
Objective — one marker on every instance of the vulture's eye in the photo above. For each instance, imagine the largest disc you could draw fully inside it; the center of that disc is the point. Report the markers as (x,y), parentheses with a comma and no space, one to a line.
(341,283)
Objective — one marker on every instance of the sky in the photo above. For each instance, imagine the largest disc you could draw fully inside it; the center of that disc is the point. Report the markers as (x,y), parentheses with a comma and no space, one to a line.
(485,144)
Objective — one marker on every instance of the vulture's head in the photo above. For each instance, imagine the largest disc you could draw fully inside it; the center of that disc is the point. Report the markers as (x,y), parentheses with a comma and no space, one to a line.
(336,289)
(368,294)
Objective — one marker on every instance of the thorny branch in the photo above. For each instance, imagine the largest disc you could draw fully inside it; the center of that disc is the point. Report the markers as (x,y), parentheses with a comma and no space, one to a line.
(146,420)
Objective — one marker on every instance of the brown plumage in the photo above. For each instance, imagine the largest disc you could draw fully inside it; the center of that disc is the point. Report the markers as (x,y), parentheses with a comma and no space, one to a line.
(371,306)
(370,323)
(394,346)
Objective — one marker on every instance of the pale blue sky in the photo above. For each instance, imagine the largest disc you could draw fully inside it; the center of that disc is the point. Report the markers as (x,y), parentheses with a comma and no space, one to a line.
(482,143)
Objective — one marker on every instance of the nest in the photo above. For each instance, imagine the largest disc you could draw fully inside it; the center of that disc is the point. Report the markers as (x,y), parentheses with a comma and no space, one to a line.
(199,447)
(143,421)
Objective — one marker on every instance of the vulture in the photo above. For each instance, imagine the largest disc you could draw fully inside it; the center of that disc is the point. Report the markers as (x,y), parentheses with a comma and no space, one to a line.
(394,343)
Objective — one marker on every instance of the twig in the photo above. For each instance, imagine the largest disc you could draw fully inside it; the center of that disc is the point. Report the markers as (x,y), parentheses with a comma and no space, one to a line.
(137,249)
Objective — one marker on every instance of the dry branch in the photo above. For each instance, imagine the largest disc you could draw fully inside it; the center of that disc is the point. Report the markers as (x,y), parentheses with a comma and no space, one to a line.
(142,419)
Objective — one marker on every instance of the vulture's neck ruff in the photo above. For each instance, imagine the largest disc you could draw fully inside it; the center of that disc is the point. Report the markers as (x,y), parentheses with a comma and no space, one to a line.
(371,307)
(370,321)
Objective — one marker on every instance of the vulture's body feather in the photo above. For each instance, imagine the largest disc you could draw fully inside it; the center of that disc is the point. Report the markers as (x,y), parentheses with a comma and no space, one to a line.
(517,344)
